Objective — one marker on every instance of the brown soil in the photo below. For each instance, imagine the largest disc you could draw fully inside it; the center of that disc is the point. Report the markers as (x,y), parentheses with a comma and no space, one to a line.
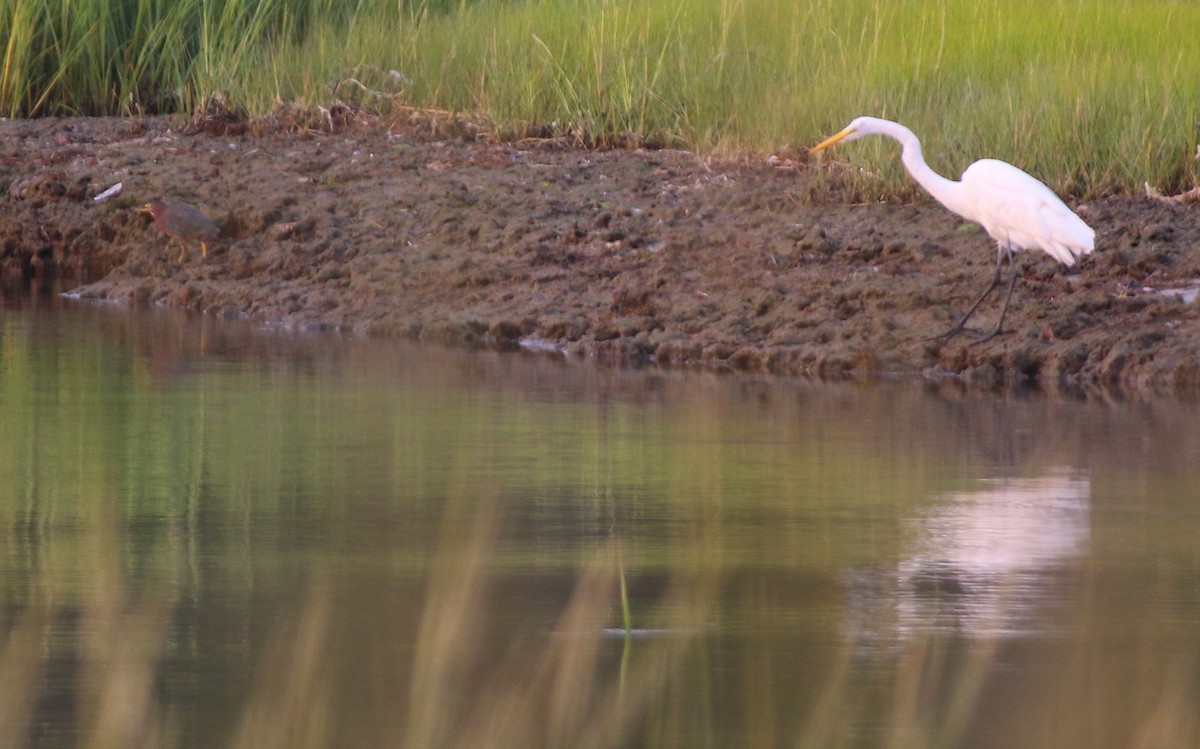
(426,229)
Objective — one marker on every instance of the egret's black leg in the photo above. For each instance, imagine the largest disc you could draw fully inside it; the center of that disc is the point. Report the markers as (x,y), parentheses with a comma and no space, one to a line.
(1012,281)
(958,326)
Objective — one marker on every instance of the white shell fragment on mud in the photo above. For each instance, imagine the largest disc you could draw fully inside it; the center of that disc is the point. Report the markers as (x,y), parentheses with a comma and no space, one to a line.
(109,193)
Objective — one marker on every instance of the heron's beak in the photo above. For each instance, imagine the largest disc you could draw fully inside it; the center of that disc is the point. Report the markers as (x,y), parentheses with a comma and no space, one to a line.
(144,209)
(831,140)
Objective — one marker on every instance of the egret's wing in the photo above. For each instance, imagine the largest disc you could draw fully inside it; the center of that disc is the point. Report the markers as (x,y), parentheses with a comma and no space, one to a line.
(1021,212)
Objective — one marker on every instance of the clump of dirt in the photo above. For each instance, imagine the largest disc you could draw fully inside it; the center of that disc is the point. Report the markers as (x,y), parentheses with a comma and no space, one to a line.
(429,228)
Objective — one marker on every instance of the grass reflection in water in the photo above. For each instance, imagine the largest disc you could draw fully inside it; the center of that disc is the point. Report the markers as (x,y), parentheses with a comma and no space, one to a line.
(309,550)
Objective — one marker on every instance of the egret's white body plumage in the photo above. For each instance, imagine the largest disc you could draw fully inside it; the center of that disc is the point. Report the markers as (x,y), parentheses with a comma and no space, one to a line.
(1016,210)
(1022,213)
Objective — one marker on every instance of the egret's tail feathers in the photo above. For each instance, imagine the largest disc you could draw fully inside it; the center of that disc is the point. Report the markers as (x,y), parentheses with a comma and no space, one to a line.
(1067,254)
(1070,246)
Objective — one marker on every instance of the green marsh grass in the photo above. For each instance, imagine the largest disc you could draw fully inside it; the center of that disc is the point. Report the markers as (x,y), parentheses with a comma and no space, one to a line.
(1093,97)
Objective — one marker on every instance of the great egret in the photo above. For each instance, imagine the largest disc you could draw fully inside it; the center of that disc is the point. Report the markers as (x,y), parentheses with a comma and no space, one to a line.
(1018,211)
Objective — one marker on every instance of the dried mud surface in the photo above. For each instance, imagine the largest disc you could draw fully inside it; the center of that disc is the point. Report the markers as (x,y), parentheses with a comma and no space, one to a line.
(428,230)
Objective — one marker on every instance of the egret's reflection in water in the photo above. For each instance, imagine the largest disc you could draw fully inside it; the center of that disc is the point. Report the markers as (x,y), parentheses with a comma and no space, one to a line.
(992,562)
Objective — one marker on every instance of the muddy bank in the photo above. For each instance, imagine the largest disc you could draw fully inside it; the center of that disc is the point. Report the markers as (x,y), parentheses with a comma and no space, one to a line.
(428,229)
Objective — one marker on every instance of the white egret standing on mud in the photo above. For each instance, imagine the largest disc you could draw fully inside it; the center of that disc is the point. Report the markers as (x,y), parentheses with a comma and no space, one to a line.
(1018,211)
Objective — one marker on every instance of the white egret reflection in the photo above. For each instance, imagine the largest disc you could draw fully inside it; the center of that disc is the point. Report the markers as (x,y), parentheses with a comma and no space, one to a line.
(984,563)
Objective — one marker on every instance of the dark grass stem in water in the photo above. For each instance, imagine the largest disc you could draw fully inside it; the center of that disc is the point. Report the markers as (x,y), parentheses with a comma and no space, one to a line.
(626,618)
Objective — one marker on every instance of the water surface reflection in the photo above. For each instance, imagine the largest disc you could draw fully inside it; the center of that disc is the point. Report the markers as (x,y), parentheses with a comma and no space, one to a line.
(987,563)
(222,536)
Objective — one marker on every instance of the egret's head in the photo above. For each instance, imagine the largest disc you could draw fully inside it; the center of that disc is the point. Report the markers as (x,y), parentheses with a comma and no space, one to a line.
(859,127)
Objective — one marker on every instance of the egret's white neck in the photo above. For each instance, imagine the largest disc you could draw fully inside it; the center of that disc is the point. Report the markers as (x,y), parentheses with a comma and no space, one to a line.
(946,191)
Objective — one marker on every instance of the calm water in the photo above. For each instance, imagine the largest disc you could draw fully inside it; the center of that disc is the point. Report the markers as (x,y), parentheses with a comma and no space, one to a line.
(213,535)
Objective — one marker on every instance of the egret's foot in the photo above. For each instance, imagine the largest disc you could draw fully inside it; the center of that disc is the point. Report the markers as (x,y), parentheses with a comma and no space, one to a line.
(944,338)
(996,332)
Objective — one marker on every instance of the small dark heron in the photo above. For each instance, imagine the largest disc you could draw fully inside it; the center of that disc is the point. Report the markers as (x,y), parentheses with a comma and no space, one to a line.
(182,222)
